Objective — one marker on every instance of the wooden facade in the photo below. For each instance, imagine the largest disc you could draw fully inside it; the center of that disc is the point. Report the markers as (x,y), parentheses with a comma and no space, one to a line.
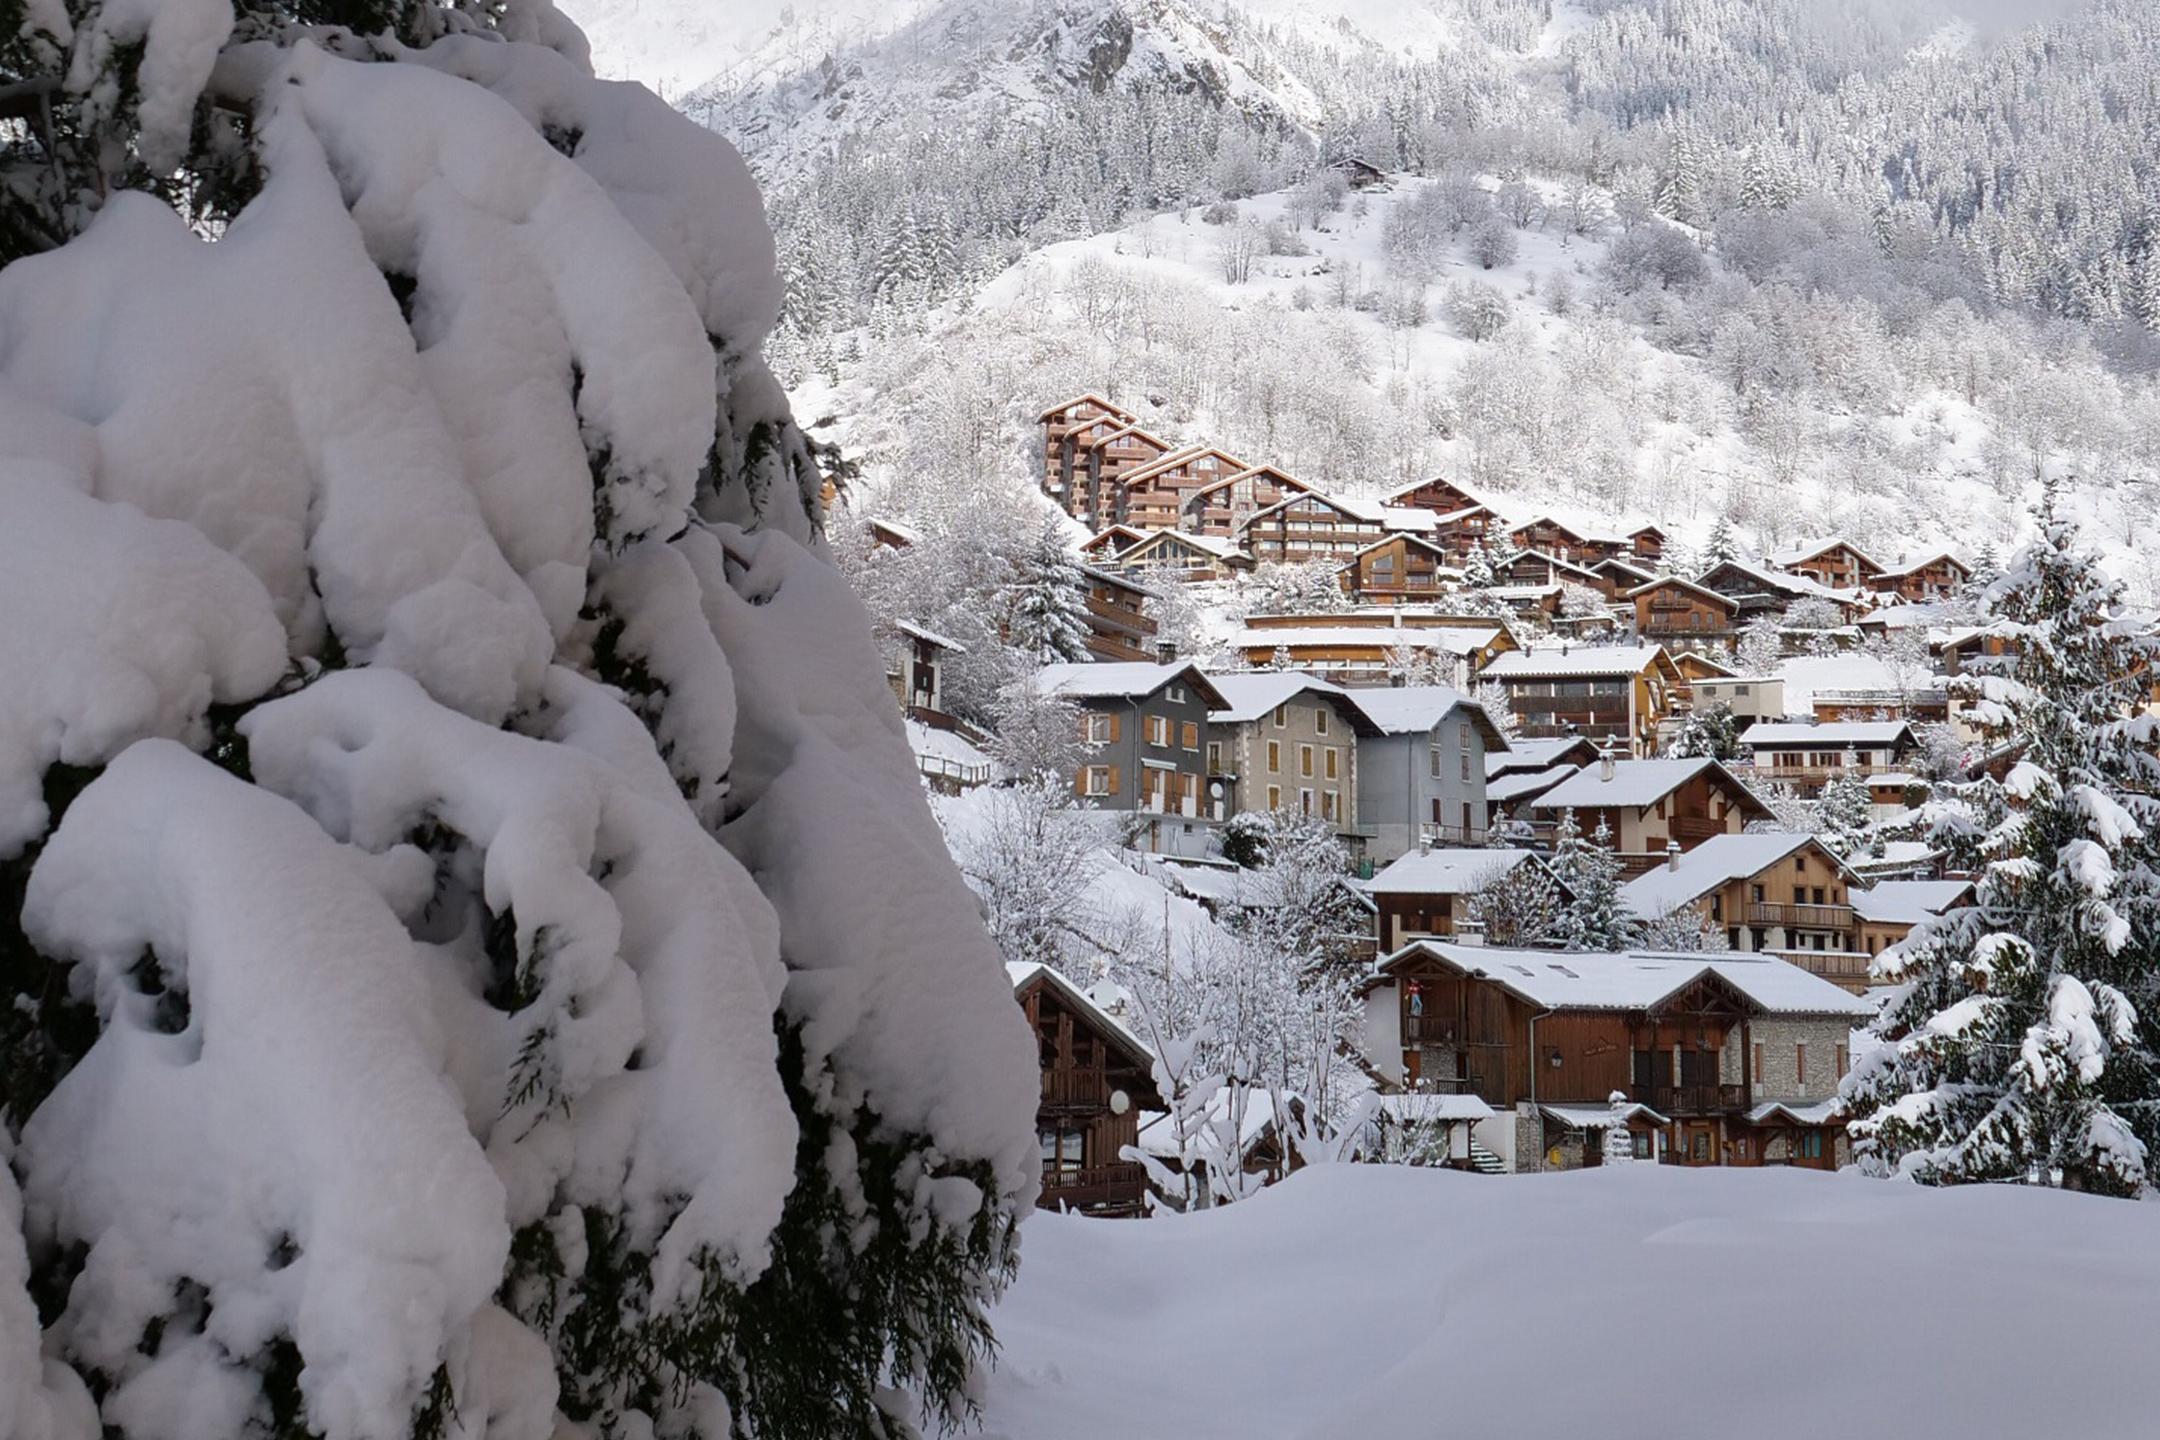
(1934,578)
(1096,1079)
(1708,803)
(1155,496)
(1119,627)
(1310,526)
(1178,555)
(1567,542)
(1223,508)
(1839,564)
(1443,497)
(1680,614)
(1401,569)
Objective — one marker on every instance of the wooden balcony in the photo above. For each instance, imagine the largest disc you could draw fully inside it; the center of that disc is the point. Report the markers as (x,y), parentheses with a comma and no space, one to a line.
(1848,968)
(1690,1099)
(1819,774)
(1119,1189)
(1691,830)
(1121,617)
(1079,1089)
(1802,917)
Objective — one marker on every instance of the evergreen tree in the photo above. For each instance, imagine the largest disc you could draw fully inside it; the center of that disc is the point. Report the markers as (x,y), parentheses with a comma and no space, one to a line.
(1709,732)
(2017,1043)
(1593,916)
(1721,546)
(1844,816)
(1619,1142)
(1046,602)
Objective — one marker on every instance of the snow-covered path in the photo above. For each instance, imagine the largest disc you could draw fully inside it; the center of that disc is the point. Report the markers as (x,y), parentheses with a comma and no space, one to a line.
(1371,1301)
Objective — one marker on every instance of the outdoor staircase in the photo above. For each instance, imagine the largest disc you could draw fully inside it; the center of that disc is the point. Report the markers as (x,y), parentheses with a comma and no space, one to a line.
(1484,1162)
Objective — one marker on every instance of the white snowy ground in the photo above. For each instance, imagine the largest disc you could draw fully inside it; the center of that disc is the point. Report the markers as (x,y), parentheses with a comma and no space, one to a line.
(1381,1301)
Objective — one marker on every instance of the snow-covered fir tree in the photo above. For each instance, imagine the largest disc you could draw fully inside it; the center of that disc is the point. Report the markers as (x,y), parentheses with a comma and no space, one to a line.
(1844,815)
(2013,1044)
(1709,732)
(1619,1143)
(438,783)
(1592,915)
(1047,600)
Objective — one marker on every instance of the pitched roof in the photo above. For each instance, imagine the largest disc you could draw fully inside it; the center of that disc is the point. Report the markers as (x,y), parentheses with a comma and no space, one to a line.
(1425,1107)
(1408,518)
(1023,973)
(1796,1112)
(1416,709)
(1716,862)
(1539,754)
(1369,512)
(1121,679)
(1839,733)
(930,637)
(1446,872)
(1179,457)
(1407,538)
(1284,479)
(1089,442)
(1578,530)
(1113,532)
(1908,902)
(1689,585)
(1638,782)
(1450,640)
(1522,784)
(1555,662)
(1597,1117)
(1216,545)
(1813,548)
(1250,695)
(1798,587)
(1089,398)
(1637,979)
(1906,567)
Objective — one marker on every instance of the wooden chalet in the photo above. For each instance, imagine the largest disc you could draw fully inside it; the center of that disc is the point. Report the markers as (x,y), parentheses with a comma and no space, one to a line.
(1155,496)
(1647,542)
(1104,546)
(891,534)
(1438,495)
(1722,1050)
(1361,174)
(1313,526)
(1577,544)
(1223,508)
(1934,577)
(1771,893)
(1808,757)
(1760,592)
(1182,556)
(1089,446)
(1888,911)
(1536,567)
(1097,1078)
(1398,570)
(1427,893)
(1365,648)
(1119,627)
(1458,532)
(1836,563)
(1616,692)
(1619,577)
(1651,806)
(1679,613)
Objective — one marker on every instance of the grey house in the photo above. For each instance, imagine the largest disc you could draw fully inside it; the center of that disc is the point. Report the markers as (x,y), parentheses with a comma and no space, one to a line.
(1421,769)
(1147,728)
(1287,741)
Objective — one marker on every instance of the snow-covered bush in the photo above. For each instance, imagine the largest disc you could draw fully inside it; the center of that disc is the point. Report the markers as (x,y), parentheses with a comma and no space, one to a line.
(480,961)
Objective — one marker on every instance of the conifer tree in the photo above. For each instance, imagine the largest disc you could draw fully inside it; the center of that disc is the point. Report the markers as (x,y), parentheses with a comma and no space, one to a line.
(1843,816)
(1710,732)
(1047,600)
(1721,546)
(2017,1042)
(1593,915)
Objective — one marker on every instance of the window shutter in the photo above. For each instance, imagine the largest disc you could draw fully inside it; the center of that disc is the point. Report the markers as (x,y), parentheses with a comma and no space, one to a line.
(1115,728)
(1080,780)
(1113,779)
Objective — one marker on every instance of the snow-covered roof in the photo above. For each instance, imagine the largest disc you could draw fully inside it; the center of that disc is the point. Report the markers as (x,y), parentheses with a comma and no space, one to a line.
(1520,784)
(930,743)
(1452,640)
(1090,398)
(1408,517)
(1578,529)
(1574,661)
(931,637)
(1112,679)
(1908,902)
(1638,980)
(1534,754)
(1797,1112)
(1799,587)
(1717,861)
(1679,582)
(1635,782)
(906,534)
(1425,1108)
(1597,1117)
(1445,872)
(1221,547)
(1251,695)
(1416,709)
(1836,733)
(1024,972)
(1802,554)
(1906,567)
(1179,457)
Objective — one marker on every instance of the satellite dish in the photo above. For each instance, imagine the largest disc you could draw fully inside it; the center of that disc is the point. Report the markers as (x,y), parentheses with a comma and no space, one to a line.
(1120,1102)
(1215,789)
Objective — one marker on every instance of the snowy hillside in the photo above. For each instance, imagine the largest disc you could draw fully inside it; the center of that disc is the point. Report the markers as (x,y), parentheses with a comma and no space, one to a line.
(1358,1301)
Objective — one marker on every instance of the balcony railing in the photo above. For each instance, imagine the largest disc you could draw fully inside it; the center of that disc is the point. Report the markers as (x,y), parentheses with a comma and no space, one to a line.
(1824,773)
(1802,917)
(1120,1188)
(1690,1099)
(1838,965)
(1075,1087)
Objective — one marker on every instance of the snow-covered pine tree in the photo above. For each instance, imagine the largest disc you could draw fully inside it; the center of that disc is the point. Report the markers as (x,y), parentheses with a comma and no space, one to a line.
(444,998)
(1619,1143)
(2014,1046)
(1480,567)
(1844,816)
(1721,546)
(1592,915)
(1047,600)
(1710,732)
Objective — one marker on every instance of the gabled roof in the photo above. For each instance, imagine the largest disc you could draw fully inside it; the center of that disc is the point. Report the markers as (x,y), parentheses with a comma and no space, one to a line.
(1571,527)
(1576,662)
(1427,1107)
(1284,480)
(1797,587)
(1112,533)
(1815,548)
(1717,862)
(1408,519)
(1089,442)
(894,530)
(1024,973)
(1835,733)
(1474,496)
(1446,872)
(1176,458)
(1419,709)
(1366,511)
(1796,1112)
(1598,1117)
(1625,566)
(1250,695)
(1906,567)
(1542,754)
(1116,581)
(1090,398)
(1523,784)
(1553,561)
(1636,979)
(1480,508)
(930,637)
(1909,902)
(1639,783)
(1407,539)
(1674,581)
(1122,679)
(1215,545)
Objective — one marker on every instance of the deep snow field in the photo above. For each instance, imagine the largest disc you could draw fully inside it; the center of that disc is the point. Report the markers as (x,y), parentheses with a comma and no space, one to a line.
(1404,1304)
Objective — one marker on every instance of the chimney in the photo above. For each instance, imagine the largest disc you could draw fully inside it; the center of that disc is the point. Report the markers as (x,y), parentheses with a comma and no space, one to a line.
(1469,932)
(1165,652)
(1672,854)
(1605,763)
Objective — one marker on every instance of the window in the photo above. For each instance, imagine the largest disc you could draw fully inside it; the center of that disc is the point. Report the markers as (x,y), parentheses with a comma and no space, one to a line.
(1329,805)
(1063,1149)
(1465,758)
(1274,757)
(1304,760)
(1098,780)
(1098,729)
(1177,694)
(1842,1061)
(1304,802)
(1192,735)
(1214,757)
(1755,893)
(1435,762)
(1158,730)
(1330,757)
(1274,797)
(1758,1062)
(1282,716)
(1319,721)
(1800,1065)
(1640,1143)
(1810,1145)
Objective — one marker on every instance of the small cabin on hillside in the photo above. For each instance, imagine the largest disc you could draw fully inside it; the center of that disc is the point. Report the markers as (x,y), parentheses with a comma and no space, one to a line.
(1681,614)
(1651,805)
(1398,570)
(1835,562)
(1097,1078)
(1780,894)
(1932,577)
